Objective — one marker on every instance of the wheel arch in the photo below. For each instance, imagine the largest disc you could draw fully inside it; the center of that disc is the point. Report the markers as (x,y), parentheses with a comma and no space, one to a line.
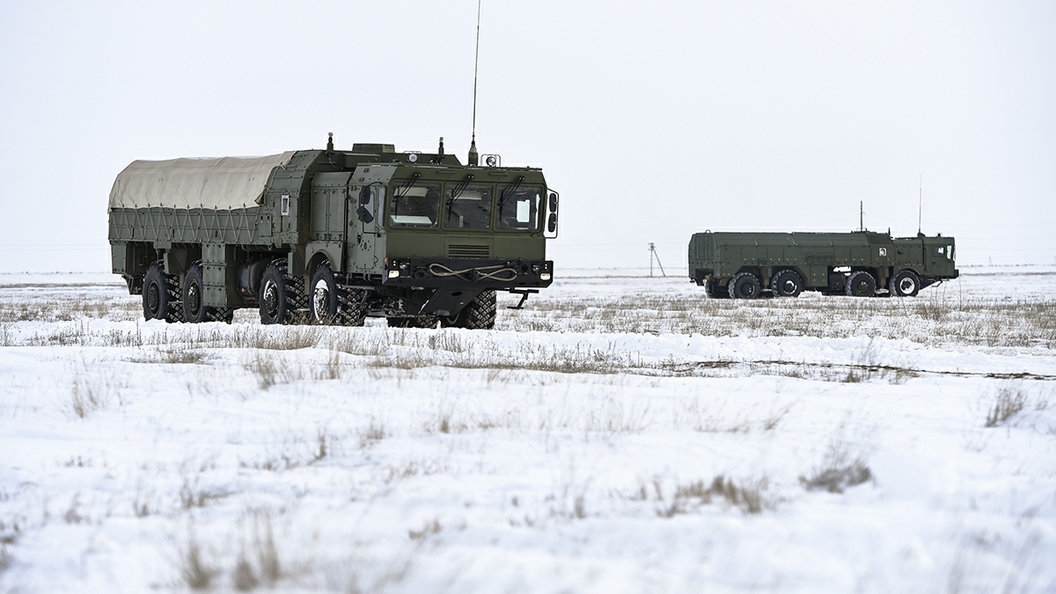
(318,252)
(778,269)
(896,269)
(315,261)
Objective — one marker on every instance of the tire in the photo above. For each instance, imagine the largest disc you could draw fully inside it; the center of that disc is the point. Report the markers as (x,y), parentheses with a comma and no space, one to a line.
(161,295)
(281,295)
(331,302)
(787,283)
(324,296)
(861,284)
(745,285)
(478,314)
(353,309)
(193,295)
(905,283)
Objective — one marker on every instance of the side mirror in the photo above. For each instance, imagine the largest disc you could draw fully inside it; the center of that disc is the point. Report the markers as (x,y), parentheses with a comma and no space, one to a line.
(364,214)
(365,198)
(552,201)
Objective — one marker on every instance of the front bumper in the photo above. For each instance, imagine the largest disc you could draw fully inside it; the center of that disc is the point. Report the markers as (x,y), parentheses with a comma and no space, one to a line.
(467,273)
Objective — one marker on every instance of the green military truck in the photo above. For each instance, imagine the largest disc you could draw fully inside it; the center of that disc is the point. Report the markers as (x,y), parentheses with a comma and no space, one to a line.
(863,263)
(331,236)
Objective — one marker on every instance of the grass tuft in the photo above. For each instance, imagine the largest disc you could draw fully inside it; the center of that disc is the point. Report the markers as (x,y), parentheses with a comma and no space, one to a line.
(197,573)
(428,530)
(838,470)
(747,497)
(1008,402)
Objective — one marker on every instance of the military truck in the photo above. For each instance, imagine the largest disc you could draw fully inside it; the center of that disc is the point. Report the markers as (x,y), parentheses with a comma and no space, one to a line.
(861,263)
(331,236)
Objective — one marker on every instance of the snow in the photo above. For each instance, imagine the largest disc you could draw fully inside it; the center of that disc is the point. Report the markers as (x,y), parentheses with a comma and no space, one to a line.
(575,448)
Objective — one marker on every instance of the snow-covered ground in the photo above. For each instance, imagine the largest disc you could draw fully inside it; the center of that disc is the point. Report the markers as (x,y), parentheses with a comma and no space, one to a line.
(621,434)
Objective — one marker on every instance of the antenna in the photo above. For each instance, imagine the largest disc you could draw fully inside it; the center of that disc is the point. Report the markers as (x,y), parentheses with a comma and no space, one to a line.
(861,215)
(473,159)
(920,205)
(652,255)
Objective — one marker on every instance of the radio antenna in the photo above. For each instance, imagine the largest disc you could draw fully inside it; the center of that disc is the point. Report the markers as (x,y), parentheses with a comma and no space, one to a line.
(920,205)
(473,158)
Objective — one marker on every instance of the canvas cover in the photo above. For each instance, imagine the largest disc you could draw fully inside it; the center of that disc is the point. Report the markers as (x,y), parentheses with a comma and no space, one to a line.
(226,183)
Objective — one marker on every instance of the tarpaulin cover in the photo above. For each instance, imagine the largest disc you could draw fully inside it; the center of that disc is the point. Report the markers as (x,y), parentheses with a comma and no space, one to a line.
(226,183)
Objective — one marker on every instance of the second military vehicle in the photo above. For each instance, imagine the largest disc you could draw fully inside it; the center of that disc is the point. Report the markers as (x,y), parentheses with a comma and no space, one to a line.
(862,263)
(331,236)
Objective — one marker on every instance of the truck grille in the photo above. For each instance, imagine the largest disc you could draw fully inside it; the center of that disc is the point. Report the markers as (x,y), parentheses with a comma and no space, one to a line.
(468,251)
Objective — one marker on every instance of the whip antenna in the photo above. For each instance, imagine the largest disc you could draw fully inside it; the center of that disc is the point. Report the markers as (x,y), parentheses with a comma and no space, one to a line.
(920,204)
(476,60)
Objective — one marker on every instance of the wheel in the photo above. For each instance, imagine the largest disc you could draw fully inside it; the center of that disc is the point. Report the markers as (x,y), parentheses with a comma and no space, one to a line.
(786,283)
(478,314)
(905,283)
(861,284)
(352,309)
(324,301)
(280,294)
(161,295)
(745,285)
(331,302)
(193,295)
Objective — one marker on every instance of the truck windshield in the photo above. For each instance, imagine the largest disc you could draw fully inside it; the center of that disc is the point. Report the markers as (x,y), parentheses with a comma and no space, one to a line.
(519,208)
(468,207)
(417,206)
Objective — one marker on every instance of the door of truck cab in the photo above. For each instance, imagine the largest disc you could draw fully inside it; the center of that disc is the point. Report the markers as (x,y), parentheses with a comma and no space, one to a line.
(938,255)
(368,188)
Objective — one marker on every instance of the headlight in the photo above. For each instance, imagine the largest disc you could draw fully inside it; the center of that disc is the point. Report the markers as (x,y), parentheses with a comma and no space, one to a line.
(544,276)
(394,274)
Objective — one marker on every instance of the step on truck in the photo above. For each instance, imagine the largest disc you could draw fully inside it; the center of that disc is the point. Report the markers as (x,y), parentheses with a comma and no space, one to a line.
(332,237)
(861,263)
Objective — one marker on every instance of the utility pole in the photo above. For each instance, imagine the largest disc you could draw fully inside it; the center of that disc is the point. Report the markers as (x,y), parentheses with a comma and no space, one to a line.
(652,255)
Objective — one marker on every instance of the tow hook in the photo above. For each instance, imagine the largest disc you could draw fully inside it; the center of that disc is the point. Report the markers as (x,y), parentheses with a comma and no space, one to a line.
(524,293)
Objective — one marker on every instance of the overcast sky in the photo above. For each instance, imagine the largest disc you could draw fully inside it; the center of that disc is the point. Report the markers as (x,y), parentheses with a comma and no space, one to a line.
(653,119)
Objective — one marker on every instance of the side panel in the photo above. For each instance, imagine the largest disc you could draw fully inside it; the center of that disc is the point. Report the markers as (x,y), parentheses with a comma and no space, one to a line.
(329,206)
(131,258)
(164,226)
(329,213)
(220,271)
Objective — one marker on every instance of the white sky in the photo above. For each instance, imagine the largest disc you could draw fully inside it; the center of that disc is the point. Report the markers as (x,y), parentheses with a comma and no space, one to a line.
(653,119)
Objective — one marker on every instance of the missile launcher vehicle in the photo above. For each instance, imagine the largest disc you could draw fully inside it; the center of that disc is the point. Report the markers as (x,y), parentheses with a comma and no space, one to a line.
(332,237)
(862,263)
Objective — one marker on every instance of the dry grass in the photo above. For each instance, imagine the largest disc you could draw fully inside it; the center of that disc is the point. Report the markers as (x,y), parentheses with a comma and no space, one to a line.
(258,564)
(750,497)
(94,389)
(87,397)
(196,571)
(930,318)
(937,316)
(1008,402)
(839,469)
(372,433)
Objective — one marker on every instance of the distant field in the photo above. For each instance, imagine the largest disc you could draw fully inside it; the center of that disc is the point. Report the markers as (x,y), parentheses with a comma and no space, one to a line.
(620,434)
